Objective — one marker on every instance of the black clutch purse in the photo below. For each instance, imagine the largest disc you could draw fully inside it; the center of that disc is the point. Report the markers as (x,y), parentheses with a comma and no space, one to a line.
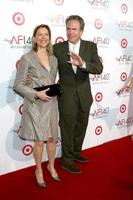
(54,89)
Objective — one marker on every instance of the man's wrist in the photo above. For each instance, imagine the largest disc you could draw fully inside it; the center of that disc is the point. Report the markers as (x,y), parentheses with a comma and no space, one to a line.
(83,64)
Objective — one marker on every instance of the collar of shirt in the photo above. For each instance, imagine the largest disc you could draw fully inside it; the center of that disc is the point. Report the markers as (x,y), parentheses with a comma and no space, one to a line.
(74,47)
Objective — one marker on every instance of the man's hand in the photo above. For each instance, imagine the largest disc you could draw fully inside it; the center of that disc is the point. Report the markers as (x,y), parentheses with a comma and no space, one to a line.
(75,59)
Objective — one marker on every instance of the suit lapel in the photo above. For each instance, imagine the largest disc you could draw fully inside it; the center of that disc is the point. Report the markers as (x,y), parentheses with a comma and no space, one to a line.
(82,49)
(66,56)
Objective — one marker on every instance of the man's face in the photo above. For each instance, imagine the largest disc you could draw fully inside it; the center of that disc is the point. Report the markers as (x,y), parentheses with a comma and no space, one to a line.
(74,31)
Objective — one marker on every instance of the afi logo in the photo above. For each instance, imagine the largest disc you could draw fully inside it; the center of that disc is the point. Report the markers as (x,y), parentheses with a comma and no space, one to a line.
(100,112)
(125,58)
(100,77)
(101,41)
(101,3)
(125,24)
(123,92)
(20,39)
(57,19)
(125,122)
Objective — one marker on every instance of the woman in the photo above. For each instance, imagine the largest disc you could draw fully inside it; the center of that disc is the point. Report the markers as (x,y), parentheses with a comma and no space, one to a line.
(40,112)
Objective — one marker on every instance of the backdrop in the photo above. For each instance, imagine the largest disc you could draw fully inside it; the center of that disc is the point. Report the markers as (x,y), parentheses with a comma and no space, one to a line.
(110,25)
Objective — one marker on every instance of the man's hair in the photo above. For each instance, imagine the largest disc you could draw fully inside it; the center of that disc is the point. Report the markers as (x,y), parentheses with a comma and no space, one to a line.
(78,18)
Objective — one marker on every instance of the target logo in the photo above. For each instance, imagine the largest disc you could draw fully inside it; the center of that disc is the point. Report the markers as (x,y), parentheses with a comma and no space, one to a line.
(18,18)
(21,109)
(124,8)
(124,43)
(122,108)
(17,64)
(59,2)
(98,23)
(123,76)
(98,130)
(98,96)
(27,150)
(59,39)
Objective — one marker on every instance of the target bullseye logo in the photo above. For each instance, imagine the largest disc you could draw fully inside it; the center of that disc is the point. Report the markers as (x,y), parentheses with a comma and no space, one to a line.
(27,150)
(59,39)
(17,64)
(123,76)
(18,18)
(98,130)
(124,43)
(59,2)
(124,8)
(98,23)
(98,96)
(21,109)
(122,108)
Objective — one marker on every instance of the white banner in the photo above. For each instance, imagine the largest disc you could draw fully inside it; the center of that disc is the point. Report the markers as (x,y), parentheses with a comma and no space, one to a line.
(110,25)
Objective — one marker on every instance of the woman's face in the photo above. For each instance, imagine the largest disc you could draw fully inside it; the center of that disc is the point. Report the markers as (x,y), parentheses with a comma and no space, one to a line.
(42,38)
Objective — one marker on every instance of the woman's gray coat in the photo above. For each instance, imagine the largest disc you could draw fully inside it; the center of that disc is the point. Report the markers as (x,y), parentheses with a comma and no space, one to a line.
(38,117)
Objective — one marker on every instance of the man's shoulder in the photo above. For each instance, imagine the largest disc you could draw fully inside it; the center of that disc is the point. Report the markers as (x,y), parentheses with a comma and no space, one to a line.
(60,44)
(88,42)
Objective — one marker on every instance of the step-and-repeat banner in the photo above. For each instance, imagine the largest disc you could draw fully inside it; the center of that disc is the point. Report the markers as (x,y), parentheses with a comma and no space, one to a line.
(110,25)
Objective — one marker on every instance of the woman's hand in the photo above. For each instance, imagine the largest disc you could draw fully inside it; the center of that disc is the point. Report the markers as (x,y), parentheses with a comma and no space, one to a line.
(43,96)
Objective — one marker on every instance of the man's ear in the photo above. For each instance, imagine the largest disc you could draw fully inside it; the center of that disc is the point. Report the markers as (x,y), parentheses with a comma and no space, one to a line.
(81,33)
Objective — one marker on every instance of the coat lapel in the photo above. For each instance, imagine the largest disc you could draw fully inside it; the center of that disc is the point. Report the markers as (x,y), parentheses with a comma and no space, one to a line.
(66,56)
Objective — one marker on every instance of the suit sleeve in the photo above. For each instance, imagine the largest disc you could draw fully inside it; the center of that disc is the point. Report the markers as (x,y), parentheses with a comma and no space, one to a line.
(93,64)
(20,81)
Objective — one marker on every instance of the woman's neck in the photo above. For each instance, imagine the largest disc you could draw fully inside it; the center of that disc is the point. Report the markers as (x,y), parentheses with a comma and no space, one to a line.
(42,51)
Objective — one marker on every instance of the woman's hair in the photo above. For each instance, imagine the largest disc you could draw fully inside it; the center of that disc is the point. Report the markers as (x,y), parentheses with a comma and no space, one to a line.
(34,44)
(78,18)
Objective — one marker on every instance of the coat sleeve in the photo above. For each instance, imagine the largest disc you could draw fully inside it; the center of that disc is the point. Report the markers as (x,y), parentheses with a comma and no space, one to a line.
(20,85)
(93,63)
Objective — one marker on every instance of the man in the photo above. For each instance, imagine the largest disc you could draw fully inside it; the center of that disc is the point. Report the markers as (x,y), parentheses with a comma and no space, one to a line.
(77,59)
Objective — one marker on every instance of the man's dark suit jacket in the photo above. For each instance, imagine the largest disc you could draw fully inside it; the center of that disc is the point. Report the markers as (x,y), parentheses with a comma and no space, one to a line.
(76,84)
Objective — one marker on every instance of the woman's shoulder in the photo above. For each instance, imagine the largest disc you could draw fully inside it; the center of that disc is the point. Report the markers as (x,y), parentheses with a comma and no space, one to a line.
(28,55)
(53,58)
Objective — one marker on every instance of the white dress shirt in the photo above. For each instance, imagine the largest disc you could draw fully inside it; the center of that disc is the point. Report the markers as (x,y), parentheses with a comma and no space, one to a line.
(75,49)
